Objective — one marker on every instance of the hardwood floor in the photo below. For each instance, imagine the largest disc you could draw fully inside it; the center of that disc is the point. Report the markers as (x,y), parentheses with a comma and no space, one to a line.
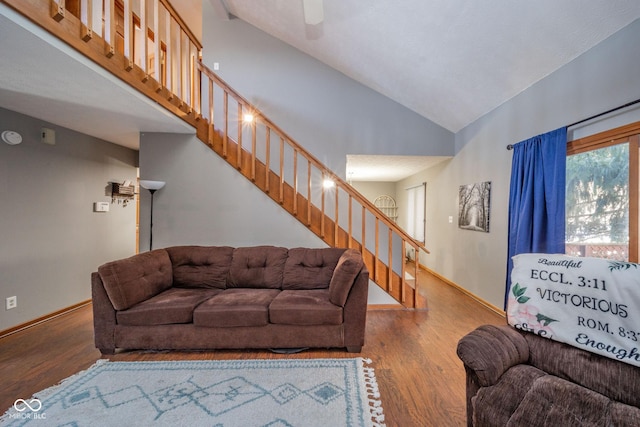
(421,379)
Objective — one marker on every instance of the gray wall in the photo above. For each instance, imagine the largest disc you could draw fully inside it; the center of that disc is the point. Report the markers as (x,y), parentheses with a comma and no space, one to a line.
(328,113)
(604,77)
(373,189)
(51,240)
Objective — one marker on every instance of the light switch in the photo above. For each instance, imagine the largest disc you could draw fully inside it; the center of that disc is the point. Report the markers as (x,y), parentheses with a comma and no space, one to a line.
(101,207)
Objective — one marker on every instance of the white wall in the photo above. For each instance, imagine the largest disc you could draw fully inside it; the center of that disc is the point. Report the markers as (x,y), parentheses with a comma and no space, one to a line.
(50,238)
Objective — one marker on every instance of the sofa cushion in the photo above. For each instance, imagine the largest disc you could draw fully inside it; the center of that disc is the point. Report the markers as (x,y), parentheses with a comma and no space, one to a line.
(348,267)
(623,415)
(236,307)
(494,405)
(310,268)
(135,279)
(552,401)
(257,267)
(200,266)
(617,381)
(174,305)
(304,307)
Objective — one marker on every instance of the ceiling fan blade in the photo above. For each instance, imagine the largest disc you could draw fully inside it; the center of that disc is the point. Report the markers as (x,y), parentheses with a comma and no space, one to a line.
(313,11)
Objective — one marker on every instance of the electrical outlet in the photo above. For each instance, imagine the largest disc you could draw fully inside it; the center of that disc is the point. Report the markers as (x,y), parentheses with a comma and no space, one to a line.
(12,302)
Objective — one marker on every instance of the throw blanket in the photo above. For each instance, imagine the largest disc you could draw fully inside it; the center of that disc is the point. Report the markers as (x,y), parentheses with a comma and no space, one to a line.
(589,303)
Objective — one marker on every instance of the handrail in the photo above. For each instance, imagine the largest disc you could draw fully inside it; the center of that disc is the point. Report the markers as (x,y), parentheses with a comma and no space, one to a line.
(347,187)
(385,274)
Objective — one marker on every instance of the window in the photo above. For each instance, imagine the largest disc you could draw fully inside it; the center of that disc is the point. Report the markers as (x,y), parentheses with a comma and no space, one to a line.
(415,211)
(602,195)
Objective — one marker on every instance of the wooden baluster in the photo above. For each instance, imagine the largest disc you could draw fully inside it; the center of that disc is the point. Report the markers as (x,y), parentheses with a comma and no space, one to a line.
(295,181)
(239,146)
(267,168)
(155,6)
(349,245)
(281,170)
(376,250)
(390,237)
(189,74)
(109,28)
(211,102)
(403,271)
(143,43)
(168,55)
(364,229)
(197,102)
(322,214)
(184,67)
(225,110)
(86,18)
(57,10)
(128,35)
(253,149)
(211,126)
(308,192)
(336,221)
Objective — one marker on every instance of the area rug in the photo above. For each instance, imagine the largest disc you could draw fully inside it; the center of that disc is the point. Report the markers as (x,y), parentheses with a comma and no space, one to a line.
(242,393)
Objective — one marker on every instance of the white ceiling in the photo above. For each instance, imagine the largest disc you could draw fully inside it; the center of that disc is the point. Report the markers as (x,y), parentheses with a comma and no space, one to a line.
(388,168)
(451,61)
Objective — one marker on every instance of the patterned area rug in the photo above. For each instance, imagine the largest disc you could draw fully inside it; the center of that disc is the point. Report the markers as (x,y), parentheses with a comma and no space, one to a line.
(243,393)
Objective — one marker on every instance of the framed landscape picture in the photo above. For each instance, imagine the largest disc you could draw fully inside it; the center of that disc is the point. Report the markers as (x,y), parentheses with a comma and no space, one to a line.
(474,206)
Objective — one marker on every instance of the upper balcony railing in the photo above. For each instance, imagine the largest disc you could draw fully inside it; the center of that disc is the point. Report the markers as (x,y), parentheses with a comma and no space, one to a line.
(144,42)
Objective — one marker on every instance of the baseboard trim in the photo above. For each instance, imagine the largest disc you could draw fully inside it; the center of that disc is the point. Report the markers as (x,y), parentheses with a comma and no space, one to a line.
(466,292)
(43,319)
(386,307)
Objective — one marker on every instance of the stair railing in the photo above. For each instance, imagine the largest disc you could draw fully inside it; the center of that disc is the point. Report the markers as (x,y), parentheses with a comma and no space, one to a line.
(309,190)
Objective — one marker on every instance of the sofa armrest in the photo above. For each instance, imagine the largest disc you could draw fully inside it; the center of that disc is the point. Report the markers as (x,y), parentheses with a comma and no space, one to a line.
(104,316)
(490,350)
(355,312)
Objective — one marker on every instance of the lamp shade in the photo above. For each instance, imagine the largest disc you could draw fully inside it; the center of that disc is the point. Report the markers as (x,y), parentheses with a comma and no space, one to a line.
(151,185)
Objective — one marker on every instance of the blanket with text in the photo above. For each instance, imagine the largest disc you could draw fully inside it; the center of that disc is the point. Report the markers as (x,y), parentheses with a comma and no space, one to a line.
(589,303)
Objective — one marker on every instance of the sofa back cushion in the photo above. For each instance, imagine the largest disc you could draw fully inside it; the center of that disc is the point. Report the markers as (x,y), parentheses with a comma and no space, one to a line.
(349,265)
(200,266)
(132,280)
(609,377)
(310,268)
(257,267)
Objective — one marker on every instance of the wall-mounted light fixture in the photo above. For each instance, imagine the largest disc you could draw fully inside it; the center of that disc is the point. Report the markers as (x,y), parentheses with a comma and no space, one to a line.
(248,118)
(152,186)
(328,183)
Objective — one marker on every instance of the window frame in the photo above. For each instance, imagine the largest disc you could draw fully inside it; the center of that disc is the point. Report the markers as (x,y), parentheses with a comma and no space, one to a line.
(625,134)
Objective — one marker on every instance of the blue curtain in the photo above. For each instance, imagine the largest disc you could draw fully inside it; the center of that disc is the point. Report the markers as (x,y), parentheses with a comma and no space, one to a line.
(537,197)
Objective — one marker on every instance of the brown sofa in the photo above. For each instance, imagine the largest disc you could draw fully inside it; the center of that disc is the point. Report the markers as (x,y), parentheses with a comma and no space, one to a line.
(517,378)
(263,297)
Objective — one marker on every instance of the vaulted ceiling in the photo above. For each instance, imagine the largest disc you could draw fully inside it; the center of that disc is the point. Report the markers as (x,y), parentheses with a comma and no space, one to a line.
(451,61)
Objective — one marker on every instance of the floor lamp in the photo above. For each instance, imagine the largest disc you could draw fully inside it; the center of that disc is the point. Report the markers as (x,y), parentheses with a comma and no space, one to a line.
(152,186)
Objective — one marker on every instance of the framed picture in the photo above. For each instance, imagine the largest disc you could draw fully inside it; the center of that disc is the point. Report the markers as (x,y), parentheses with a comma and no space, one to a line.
(473,206)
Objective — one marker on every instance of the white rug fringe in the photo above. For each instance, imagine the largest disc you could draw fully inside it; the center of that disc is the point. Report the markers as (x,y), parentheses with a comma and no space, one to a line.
(373,394)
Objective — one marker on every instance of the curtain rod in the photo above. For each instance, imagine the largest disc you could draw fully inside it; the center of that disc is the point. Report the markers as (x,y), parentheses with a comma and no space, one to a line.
(595,116)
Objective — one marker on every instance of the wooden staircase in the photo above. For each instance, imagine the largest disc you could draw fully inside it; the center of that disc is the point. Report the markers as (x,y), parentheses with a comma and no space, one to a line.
(312,193)
(261,151)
